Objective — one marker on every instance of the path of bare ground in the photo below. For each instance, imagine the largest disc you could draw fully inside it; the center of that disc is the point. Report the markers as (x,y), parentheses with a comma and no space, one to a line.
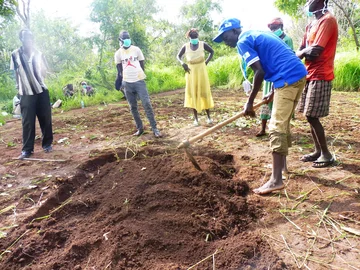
(119,202)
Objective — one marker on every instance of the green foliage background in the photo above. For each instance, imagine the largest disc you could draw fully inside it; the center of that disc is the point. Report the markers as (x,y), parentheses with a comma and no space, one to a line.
(73,58)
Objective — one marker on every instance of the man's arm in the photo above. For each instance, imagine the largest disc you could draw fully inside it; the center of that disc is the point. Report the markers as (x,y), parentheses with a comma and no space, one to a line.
(142,64)
(258,79)
(119,69)
(310,53)
(17,79)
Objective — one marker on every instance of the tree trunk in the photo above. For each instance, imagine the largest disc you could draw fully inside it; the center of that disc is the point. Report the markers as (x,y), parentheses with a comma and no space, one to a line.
(350,23)
(25,15)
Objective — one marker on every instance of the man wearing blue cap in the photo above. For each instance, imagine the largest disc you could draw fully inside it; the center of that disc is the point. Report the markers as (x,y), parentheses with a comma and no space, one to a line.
(271,59)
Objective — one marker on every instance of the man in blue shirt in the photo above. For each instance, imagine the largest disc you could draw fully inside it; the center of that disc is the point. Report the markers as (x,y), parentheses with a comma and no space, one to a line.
(270,59)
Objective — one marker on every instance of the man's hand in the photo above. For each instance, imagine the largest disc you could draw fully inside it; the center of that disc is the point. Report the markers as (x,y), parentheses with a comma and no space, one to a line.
(269,97)
(186,68)
(310,53)
(249,110)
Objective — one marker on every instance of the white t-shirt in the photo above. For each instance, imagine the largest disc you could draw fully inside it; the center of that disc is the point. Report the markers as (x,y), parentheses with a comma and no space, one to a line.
(129,58)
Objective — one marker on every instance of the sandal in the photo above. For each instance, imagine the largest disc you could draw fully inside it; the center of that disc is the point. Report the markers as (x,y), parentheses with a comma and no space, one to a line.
(309,158)
(323,163)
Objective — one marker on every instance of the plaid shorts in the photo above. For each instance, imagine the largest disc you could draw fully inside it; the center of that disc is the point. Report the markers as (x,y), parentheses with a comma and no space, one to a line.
(315,99)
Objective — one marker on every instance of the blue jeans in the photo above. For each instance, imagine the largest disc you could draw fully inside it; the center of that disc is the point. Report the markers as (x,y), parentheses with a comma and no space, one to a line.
(138,90)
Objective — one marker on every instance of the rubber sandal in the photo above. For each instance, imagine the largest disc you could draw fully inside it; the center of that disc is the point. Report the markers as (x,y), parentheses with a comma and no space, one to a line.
(309,158)
(322,163)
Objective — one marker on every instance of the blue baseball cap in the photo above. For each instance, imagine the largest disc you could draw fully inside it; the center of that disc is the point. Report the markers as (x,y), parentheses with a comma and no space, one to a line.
(227,25)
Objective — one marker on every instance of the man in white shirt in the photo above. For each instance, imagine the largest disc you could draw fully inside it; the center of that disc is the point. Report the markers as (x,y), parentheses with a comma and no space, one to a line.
(129,61)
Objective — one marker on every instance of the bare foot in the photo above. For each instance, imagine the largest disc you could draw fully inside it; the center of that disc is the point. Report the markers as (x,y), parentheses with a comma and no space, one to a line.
(269,187)
(260,133)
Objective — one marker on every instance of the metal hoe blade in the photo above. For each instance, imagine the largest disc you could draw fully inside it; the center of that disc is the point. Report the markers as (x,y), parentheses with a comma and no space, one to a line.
(192,159)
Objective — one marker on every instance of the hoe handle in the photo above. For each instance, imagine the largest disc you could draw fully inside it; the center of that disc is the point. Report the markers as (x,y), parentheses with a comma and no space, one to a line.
(216,127)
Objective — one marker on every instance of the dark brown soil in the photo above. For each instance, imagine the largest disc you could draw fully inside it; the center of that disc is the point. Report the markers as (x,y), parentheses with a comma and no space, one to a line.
(113,201)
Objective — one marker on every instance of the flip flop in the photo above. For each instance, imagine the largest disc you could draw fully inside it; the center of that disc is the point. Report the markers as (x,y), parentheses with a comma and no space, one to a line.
(268,190)
(323,163)
(309,158)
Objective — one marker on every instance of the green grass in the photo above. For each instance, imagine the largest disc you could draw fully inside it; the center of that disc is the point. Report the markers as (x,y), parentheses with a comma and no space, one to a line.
(224,72)
(347,71)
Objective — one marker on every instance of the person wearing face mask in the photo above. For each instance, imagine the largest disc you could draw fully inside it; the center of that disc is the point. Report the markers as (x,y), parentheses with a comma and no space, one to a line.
(87,90)
(129,61)
(276,25)
(28,64)
(270,59)
(197,91)
(318,47)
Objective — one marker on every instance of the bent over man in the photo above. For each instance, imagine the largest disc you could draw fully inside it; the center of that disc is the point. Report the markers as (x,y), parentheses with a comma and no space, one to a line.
(272,60)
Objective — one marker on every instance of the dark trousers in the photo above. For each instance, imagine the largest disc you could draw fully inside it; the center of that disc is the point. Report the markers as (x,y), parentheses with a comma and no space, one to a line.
(32,107)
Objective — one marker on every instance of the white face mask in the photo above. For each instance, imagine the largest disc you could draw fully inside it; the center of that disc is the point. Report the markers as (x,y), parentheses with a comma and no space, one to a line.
(311,13)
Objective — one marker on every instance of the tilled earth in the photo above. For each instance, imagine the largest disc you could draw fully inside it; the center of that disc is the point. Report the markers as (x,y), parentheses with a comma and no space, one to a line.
(104,199)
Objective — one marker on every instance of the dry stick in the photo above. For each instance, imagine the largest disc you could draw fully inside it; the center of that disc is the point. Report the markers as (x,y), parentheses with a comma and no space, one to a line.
(353,267)
(16,240)
(331,241)
(324,214)
(52,212)
(345,178)
(41,159)
(351,230)
(216,252)
(61,206)
(310,235)
(108,265)
(307,254)
(317,186)
(347,218)
(8,208)
(292,253)
(296,226)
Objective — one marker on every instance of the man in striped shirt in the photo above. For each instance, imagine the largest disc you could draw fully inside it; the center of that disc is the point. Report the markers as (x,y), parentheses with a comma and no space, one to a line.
(28,63)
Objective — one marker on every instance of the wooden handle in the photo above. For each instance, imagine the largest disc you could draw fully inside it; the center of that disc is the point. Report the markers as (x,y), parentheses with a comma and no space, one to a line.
(186,143)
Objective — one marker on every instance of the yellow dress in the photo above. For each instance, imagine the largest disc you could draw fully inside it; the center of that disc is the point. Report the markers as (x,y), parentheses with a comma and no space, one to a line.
(197,91)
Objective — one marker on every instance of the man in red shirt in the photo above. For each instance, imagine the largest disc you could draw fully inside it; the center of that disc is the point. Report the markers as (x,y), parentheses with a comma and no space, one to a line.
(318,48)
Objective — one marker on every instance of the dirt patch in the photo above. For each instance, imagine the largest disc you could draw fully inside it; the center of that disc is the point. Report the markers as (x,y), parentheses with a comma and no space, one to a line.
(112,201)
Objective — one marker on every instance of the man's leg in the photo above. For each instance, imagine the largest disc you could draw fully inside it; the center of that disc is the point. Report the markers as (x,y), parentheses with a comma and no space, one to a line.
(262,132)
(43,112)
(131,97)
(318,133)
(145,100)
(316,101)
(285,101)
(28,113)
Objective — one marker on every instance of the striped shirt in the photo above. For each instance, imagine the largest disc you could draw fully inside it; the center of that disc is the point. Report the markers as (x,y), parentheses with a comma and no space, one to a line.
(28,70)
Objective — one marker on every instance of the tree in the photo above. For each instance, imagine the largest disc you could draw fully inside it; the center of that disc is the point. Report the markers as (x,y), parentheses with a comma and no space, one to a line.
(23,11)
(7,8)
(135,16)
(198,15)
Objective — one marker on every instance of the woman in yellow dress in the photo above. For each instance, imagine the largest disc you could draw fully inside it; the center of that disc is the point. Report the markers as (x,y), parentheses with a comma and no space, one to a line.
(197,91)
